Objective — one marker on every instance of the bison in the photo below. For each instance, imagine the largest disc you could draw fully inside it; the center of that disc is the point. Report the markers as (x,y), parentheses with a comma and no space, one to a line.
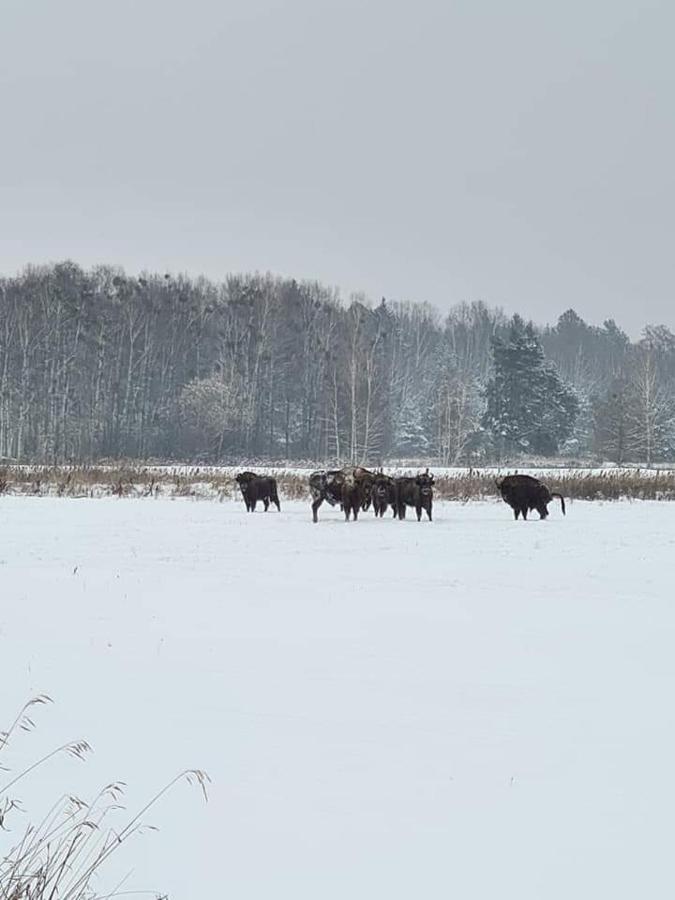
(383,494)
(326,486)
(353,495)
(524,493)
(348,487)
(366,479)
(258,487)
(417,492)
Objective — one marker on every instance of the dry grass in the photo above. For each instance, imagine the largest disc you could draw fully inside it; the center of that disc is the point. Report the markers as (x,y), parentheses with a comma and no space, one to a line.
(130,481)
(582,485)
(59,857)
(117,481)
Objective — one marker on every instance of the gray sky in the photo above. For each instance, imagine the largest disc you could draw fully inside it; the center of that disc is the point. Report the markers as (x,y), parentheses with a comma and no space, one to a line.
(518,152)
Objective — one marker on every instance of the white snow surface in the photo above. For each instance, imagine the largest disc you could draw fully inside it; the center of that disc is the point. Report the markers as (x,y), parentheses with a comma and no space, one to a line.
(469,708)
(439,471)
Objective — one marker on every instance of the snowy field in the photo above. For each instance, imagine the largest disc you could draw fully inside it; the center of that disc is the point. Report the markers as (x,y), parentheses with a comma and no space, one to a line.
(207,471)
(469,708)
(439,471)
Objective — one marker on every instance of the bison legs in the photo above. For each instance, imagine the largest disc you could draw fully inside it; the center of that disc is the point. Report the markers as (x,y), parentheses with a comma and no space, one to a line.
(266,503)
(379,507)
(315,508)
(352,508)
(427,509)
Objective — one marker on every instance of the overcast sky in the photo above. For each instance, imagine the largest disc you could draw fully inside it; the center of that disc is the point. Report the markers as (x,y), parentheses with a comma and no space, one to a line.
(516,151)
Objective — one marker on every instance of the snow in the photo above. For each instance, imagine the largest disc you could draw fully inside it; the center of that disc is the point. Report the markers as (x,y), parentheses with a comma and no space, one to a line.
(401,469)
(438,471)
(471,708)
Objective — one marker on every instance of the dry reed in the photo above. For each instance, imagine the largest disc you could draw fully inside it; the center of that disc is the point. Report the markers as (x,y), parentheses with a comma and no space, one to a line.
(126,480)
(59,857)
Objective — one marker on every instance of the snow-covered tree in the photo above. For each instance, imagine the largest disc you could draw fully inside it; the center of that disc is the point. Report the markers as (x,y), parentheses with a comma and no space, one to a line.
(213,409)
(612,422)
(529,409)
(410,433)
(458,407)
(651,410)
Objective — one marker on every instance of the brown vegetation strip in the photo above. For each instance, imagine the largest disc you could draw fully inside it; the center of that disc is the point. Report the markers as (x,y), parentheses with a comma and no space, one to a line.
(131,481)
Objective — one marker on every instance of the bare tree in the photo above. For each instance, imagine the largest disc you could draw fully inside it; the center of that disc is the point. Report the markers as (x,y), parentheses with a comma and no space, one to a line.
(652,410)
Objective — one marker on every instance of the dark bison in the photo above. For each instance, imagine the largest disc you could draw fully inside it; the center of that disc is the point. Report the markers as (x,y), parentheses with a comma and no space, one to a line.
(417,492)
(366,479)
(354,494)
(523,493)
(325,486)
(383,494)
(258,487)
(350,488)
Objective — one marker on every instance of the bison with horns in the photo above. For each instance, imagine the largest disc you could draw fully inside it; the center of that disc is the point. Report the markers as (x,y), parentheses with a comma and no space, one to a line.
(383,494)
(351,488)
(417,492)
(258,487)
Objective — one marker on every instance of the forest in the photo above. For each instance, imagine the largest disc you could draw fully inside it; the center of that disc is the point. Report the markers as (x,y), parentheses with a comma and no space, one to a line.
(99,364)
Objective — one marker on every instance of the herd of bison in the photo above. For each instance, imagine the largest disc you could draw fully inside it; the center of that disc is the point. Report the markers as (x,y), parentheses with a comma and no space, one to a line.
(355,489)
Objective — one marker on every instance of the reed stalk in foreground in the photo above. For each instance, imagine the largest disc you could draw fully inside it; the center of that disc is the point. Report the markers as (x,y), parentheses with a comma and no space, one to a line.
(60,857)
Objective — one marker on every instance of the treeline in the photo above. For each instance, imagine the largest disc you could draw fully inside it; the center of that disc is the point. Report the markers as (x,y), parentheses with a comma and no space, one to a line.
(98,364)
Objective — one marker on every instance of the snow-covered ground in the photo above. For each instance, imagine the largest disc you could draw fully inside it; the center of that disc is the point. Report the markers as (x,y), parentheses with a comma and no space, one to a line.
(440,471)
(542,471)
(469,708)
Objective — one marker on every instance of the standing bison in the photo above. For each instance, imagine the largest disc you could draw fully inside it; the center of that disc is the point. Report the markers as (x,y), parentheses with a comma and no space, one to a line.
(383,494)
(524,493)
(325,485)
(366,479)
(417,492)
(258,487)
(348,487)
(355,495)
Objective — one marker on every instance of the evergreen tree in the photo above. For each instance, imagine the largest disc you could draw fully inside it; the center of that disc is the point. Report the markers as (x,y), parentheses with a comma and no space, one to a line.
(529,409)
(410,434)
(580,442)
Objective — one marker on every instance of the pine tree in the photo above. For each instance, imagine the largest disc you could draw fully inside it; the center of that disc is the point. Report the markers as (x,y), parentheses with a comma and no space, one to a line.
(529,409)
(410,434)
